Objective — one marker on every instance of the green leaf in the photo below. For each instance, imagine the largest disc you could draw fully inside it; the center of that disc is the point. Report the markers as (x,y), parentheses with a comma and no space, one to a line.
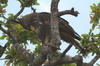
(37,48)
(3,1)
(35,2)
(29,3)
(1,23)
(8,57)
(10,16)
(3,37)
(90,31)
(21,62)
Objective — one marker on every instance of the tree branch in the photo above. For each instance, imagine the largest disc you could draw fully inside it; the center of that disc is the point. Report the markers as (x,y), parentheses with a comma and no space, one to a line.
(6,32)
(55,40)
(38,61)
(65,51)
(71,12)
(79,60)
(66,59)
(91,63)
(94,59)
(15,42)
(21,10)
(54,24)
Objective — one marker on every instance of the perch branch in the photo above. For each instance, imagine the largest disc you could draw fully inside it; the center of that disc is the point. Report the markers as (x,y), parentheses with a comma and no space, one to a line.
(66,59)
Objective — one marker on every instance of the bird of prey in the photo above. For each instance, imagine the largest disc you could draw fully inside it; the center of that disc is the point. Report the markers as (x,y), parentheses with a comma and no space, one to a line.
(40,23)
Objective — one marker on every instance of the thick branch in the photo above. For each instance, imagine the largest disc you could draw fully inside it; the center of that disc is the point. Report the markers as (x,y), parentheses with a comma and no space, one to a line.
(71,12)
(54,6)
(38,61)
(54,24)
(79,60)
(66,59)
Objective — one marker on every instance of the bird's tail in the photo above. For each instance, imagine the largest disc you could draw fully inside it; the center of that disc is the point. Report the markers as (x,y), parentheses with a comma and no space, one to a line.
(77,45)
(77,36)
(69,39)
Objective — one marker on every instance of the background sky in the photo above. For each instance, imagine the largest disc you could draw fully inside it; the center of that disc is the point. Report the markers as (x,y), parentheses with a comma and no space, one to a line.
(80,24)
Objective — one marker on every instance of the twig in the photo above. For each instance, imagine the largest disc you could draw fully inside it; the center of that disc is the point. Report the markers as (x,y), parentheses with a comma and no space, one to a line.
(14,40)
(6,32)
(3,16)
(65,51)
(21,10)
(3,59)
(20,2)
(2,49)
(34,10)
(94,60)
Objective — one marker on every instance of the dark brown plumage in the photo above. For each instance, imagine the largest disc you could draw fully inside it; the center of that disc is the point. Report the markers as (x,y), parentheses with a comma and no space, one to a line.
(41,23)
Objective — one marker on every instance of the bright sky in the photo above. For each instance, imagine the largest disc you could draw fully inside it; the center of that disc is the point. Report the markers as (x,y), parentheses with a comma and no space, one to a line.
(80,23)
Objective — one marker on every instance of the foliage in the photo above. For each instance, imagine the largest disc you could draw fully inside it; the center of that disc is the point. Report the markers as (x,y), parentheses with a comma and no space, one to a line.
(91,41)
(29,3)
(3,4)
(24,37)
(3,1)
(98,64)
